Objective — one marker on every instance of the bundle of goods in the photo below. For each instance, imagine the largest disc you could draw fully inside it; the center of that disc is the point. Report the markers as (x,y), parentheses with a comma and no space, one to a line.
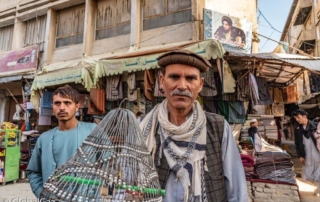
(276,166)
(248,165)
(112,164)
(7,127)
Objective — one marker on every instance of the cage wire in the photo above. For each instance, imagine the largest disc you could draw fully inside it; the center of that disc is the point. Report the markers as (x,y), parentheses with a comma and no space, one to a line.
(113,164)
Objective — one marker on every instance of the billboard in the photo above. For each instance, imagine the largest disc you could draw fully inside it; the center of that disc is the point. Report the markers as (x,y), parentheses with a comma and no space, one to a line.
(22,60)
(234,33)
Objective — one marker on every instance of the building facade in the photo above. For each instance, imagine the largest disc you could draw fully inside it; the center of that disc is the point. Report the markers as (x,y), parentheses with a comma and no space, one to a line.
(302,30)
(70,29)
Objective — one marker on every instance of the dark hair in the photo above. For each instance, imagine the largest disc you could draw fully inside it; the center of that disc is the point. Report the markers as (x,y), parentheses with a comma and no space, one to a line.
(227,19)
(299,112)
(67,92)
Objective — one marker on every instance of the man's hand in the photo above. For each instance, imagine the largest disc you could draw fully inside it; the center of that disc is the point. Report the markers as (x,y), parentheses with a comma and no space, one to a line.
(302,161)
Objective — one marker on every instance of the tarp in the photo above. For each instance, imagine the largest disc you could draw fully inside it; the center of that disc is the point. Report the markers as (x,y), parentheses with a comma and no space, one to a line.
(142,60)
(277,68)
(147,59)
(75,71)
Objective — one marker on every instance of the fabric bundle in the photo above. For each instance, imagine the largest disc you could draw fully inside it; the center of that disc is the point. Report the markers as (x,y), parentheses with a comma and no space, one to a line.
(276,166)
(248,164)
(247,160)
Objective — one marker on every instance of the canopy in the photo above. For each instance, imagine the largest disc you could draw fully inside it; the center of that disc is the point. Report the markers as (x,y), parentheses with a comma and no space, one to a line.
(147,59)
(278,68)
(75,71)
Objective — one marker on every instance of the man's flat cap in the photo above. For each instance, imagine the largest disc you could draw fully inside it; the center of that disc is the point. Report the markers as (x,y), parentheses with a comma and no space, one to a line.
(184,57)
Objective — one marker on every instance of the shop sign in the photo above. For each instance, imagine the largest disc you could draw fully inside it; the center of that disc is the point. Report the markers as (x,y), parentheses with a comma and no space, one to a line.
(234,33)
(20,60)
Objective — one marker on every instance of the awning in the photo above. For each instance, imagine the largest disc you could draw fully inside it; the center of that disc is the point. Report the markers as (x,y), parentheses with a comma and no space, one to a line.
(75,71)
(14,78)
(142,60)
(279,69)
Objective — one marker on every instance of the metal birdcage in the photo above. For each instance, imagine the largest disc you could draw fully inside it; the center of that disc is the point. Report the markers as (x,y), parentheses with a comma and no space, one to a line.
(112,164)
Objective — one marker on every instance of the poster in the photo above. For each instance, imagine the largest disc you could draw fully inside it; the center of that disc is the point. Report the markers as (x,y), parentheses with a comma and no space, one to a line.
(235,34)
(20,60)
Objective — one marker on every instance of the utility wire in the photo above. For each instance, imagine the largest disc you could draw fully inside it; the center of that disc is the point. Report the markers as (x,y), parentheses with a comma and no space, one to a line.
(280,31)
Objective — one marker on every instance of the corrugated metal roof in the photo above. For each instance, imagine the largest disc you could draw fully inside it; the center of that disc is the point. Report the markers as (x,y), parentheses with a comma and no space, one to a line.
(278,68)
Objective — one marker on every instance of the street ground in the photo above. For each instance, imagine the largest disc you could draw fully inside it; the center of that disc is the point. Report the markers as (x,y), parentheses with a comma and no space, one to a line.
(21,191)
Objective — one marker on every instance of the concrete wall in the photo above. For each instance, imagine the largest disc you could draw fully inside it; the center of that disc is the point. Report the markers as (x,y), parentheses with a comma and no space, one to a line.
(8,4)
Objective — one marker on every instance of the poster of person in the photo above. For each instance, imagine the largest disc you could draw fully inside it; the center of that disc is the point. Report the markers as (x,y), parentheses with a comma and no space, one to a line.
(234,33)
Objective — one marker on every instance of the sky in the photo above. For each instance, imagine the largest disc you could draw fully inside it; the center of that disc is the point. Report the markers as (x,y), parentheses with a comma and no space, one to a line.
(276,13)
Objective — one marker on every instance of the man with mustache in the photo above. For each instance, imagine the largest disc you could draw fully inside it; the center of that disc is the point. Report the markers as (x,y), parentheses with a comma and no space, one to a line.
(55,147)
(194,152)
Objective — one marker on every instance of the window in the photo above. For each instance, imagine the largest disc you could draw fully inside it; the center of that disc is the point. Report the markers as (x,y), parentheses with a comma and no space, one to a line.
(35,32)
(6,35)
(112,18)
(70,26)
(161,13)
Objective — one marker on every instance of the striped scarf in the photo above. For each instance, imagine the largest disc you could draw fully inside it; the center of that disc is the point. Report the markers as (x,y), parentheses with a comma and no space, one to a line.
(184,146)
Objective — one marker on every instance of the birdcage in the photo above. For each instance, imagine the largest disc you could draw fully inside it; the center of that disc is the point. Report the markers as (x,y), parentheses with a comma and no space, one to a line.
(113,164)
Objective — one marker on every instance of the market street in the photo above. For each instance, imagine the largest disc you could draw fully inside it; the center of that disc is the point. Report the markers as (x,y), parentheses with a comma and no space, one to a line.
(22,191)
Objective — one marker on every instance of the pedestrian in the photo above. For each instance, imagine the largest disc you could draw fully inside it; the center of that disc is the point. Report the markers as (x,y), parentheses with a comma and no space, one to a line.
(256,138)
(194,152)
(55,147)
(306,147)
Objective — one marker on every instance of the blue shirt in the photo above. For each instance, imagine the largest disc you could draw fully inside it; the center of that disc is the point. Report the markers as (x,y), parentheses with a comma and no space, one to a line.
(53,149)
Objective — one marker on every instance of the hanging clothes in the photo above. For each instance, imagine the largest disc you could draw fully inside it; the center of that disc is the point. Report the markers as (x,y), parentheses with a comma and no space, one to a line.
(114,88)
(242,90)
(158,92)
(233,112)
(314,83)
(277,95)
(291,93)
(209,87)
(254,91)
(264,95)
(149,83)
(132,91)
(96,101)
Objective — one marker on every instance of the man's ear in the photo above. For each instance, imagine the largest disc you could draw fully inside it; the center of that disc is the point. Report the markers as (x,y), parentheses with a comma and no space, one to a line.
(77,106)
(161,79)
(201,84)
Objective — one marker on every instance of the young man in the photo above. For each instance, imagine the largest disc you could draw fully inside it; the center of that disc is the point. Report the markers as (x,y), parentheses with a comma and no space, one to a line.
(306,147)
(194,152)
(56,146)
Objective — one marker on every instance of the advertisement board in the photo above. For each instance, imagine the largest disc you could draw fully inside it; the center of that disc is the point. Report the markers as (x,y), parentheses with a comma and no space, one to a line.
(21,60)
(234,33)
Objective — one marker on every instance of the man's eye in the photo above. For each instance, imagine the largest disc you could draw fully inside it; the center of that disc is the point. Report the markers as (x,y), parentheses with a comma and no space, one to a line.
(174,77)
(191,78)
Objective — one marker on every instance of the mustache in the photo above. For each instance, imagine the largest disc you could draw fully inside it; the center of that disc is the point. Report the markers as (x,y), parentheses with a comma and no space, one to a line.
(181,92)
(62,113)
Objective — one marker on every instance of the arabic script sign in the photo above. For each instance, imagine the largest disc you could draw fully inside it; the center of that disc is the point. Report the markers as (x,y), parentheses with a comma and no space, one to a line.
(20,60)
